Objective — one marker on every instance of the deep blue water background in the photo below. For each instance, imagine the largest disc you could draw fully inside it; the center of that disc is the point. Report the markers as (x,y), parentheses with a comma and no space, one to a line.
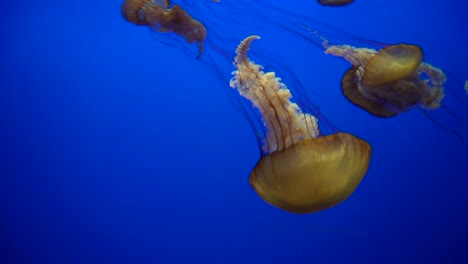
(117,148)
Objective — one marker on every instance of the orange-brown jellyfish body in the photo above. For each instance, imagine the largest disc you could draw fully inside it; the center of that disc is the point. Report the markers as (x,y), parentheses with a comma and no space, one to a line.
(388,82)
(301,171)
(335,2)
(157,15)
(392,64)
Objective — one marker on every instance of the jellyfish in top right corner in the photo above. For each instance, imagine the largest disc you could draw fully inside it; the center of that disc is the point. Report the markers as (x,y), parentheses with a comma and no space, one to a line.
(390,81)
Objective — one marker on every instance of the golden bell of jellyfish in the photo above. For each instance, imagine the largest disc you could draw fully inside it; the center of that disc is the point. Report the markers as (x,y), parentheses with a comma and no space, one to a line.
(157,15)
(391,64)
(390,81)
(302,172)
(335,2)
(383,101)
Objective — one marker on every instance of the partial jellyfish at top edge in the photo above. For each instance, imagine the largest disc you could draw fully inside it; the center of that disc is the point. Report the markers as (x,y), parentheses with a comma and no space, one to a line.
(214,25)
(194,21)
(335,2)
(301,171)
(157,15)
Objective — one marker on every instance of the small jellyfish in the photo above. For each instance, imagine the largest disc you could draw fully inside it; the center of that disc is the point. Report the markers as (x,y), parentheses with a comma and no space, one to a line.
(388,82)
(157,15)
(301,171)
(335,2)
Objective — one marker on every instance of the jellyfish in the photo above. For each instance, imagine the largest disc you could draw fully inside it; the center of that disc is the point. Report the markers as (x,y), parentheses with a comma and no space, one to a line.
(157,15)
(335,2)
(466,87)
(388,82)
(394,79)
(301,171)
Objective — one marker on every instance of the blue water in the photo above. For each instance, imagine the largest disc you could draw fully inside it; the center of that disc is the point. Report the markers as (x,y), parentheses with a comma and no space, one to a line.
(117,148)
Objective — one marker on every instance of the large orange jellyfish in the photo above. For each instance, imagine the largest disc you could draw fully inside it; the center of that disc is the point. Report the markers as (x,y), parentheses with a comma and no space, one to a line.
(157,15)
(389,81)
(301,171)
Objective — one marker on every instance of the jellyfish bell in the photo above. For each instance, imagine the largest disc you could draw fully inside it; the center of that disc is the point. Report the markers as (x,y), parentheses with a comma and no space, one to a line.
(132,11)
(391,64)
(157,15)
(350,90)
(383,101)
(313,174)
(301,171)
